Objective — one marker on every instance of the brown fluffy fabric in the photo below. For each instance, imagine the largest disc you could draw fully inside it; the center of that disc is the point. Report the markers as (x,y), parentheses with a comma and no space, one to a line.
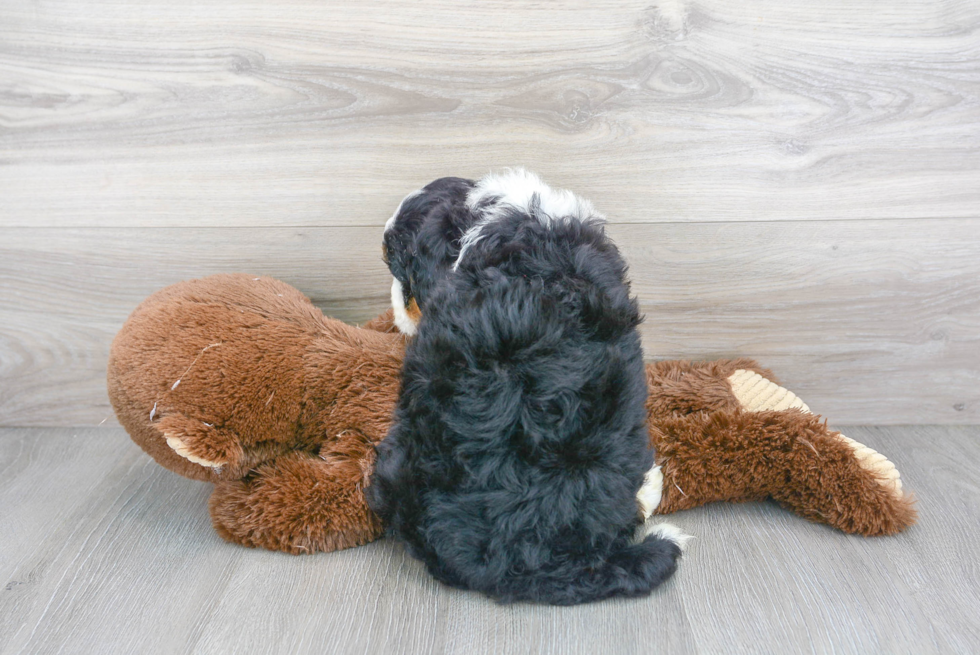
(282,408)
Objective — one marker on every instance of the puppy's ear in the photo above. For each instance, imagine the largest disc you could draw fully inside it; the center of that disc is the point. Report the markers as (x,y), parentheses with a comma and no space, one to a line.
(421,240)
(398,250)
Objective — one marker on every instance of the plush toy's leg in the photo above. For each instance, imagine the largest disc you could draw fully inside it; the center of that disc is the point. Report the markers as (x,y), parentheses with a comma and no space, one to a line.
(683,387)
(757,394)
(765,443)
(789,455)
(300,503)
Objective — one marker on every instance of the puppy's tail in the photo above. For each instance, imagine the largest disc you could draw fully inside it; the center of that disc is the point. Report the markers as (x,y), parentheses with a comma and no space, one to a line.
(634,570)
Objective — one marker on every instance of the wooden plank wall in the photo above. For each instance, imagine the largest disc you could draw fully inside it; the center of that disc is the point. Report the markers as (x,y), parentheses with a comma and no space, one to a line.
(793,181)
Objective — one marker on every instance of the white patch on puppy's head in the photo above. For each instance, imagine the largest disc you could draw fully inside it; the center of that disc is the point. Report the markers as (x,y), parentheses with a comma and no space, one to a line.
(403,321)
(517,189)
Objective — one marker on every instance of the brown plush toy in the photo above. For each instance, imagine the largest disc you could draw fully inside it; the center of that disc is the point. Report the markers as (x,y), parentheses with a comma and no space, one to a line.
(241,381)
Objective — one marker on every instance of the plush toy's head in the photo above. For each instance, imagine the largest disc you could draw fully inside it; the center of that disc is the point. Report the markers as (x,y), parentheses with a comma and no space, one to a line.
(433,228)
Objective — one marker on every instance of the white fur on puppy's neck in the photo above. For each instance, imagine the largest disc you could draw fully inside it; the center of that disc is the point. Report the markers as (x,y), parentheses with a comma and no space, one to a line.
(518,189)
(403,321)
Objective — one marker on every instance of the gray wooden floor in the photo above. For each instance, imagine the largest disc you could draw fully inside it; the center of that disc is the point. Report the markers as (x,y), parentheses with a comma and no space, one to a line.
(101,550)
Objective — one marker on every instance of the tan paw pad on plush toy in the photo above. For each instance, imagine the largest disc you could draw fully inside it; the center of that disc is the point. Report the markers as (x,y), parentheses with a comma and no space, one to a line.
(184,451)
(757,394)
(200,442)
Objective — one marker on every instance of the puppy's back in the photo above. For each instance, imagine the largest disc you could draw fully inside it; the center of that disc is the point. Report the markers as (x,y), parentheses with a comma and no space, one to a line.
(519,440)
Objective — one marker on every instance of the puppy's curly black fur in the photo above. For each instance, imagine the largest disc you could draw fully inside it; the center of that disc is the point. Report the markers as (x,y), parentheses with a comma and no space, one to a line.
(519,441)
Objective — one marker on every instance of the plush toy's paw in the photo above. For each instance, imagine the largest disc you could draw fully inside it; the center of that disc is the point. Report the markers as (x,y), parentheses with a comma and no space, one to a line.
(757,394)
(178,447)
(296,504)
(648,497)
(199,442)
(876,463)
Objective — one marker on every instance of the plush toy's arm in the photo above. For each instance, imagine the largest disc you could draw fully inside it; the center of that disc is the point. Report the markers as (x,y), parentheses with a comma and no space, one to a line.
(384,322)
(757,440)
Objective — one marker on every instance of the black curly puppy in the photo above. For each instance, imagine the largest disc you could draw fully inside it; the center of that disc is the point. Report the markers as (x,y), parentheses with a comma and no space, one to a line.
(519,442)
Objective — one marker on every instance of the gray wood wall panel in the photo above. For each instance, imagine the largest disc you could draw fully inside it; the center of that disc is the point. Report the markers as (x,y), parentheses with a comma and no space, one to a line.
(793,181)
(326,113)
(873,322)
(104,551)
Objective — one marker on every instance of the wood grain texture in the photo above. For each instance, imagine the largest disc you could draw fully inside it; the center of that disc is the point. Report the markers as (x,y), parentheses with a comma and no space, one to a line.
(217,113)
(110,553)
(65,293)
(872,322)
